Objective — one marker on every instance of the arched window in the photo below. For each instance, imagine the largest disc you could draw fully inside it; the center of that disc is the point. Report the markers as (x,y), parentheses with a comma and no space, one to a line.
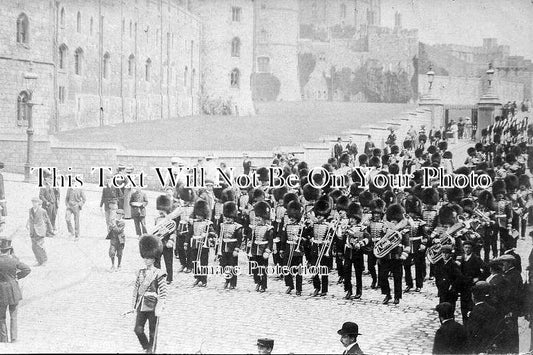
(147,68)
(22,108)
(343,11)
(235,78)
(78,22)
(62,17)
(236,47)
(185,76)
(131,65)
(23,27)
(91,26)
(78,61)
(106,64)
(62,56)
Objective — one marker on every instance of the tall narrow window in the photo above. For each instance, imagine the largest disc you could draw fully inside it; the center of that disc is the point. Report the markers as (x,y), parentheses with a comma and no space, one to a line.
(62,56)
(235,78)
(236,14)
(193,79)
(61,95)
(106,65)
(185,76)
(78,22)
(130,28)
(23,26)
(147,68)
(78,61)
(22,108)
(236,47)
(91,26)
(131,65)
(62,17)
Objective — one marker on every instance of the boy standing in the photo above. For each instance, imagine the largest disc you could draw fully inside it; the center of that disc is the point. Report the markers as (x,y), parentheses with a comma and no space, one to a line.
(40,227)
(116,237)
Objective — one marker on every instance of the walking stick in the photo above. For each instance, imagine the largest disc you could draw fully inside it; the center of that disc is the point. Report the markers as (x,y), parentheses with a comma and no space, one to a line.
(154,346)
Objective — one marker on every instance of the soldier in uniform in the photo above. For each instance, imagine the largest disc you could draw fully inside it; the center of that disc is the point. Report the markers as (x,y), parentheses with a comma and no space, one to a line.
(417,244)
(355,239)
(376,229)
(164,206)
(392,261)
(291,246)
(230,238)
(277,223)
(310,196)
(188,197)
(504,215)
(3,209)
(319,244)
(488,228)
(261,244)
(201,238)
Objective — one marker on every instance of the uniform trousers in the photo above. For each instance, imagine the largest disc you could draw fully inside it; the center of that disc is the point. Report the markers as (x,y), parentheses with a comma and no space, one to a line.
(140,322)
(506,240)
(385,266)
(181,252)
(371,264)
(259,271)
(203,261)
(37,245)
(168,256)
(227,260)
(12,327)
(321,282)
(419,261)
(289,278)
(357,260)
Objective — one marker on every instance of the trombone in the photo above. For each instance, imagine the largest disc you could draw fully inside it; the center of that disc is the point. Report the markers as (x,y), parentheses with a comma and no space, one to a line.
(325,248)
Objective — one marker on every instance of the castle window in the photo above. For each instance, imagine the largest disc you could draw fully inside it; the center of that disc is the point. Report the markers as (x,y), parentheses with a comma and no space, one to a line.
(78,59)
(106,65)
(62,56)
(235,78)
(131,64)
(236,47)
(263,64)
(130,28)
(61,95)
(185,76)
(62,17)
(147,68)
(22,108)
(263,35)
(343,11)
(91,26)
(193,79)
(23,27)
(236,14)
(78,22)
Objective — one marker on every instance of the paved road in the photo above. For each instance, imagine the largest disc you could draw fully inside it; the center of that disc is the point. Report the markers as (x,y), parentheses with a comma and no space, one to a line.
(75,304)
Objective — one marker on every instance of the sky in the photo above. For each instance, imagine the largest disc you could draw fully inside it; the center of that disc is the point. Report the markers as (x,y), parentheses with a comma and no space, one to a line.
(466,22)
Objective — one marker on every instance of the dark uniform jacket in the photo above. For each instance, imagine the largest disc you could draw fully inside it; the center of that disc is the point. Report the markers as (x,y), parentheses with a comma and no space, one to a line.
(11,269)
(451,338)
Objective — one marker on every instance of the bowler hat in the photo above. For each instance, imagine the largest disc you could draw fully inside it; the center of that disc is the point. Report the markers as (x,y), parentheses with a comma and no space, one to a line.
(446,249)
(264,342)
(5,244)
(349,328)
(507,257)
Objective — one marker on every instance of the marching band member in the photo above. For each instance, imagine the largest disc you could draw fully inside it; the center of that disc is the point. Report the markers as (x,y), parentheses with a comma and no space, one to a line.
(230,236)
(261,244)
(201,237)
(187,196)
(291,245)
(164,206)
(504,215)
(525,196)
(417,244)
(341,206)
(376,229)
(278,218)
(355,239)
(392,261)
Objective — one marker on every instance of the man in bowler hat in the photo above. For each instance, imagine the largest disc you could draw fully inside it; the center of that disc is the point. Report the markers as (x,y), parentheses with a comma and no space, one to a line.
(265,346)
(451,337)
(349,333)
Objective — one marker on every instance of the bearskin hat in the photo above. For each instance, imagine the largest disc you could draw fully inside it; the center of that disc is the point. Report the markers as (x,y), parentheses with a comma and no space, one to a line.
(463,170)
(311,193)
(262,174)
(389,197)
(510,158)
(335,194)
(288,197)
(377,206)
(511,182)
(355,211)
(418,175)
(257,194)
(217,192)
(468,205)
(471,151)
(432,149)
(365,198)
(422,138)
(302,165)
(150,247)
(376,152)
(375,162)
(385,159)
(416,190)
(496,139)
(407,144)
(413,205)
(163,203)
(479,147)
(394,149)
(294,210)
(228,194)
(279,192)
(323,206)
(355,189)
(262,210)
(446,215)
(419,152)
(455,194)
(499,187)
(443,145)
(344,159)
(435,159)
(363,159)
(201,208)
(447,155)
(229,209)
(394,212)
(394,169)
(187,194)
(430,196)
(342,203)
(523,180)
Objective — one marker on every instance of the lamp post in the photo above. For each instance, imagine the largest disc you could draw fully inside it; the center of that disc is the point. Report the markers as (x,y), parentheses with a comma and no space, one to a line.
(489,104)
(430,102)
(30,78)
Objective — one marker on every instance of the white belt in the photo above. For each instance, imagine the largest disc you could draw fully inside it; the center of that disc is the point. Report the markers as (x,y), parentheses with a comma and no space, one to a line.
(198,237)
(260,243)
(229,240)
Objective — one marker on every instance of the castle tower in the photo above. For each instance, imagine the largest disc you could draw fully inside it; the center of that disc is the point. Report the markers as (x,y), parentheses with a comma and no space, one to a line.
(276,50)
(227,52)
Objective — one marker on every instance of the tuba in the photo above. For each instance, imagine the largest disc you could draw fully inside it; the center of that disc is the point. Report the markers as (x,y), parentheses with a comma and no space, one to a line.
(164,228)
(485,219)
(391,239)
(434,252)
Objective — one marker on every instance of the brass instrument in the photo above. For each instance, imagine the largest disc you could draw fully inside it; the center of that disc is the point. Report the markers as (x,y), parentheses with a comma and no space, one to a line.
(325,248)
(482,216)
(164,228)
(434,252)
(391,239)
(203,234)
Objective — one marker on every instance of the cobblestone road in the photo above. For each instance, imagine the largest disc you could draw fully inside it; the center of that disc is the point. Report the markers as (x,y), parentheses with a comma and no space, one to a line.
(75,304)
